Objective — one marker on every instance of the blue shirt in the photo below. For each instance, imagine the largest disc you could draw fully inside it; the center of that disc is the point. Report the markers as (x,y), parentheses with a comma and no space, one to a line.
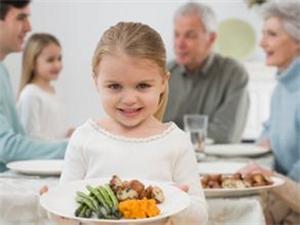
(283,126)
(14,144)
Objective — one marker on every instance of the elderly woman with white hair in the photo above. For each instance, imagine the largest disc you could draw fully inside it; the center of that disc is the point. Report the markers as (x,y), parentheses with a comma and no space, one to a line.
(281,43)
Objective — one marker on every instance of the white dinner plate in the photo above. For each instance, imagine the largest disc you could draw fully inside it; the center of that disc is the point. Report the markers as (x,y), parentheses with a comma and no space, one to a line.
(60,201)
(219,167)
(234,192)
(235,150)
(37,167)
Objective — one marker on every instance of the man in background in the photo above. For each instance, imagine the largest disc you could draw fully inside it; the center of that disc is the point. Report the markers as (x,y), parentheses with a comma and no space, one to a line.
(14,143)
(203,82)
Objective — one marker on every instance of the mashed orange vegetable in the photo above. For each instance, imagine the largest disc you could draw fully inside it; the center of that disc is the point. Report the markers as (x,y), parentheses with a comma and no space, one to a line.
(138,209)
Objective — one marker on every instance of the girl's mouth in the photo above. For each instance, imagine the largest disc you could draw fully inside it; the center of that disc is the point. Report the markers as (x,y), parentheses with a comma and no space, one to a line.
(130,112)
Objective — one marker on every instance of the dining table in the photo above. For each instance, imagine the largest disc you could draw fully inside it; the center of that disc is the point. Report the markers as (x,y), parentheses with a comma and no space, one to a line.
(19,199)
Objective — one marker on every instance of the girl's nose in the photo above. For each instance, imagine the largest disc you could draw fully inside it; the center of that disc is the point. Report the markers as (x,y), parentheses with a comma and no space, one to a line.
(129,97)
(58,65)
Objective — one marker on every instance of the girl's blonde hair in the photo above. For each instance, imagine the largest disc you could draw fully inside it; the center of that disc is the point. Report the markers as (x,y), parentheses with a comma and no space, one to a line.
(135,40)
(33,48)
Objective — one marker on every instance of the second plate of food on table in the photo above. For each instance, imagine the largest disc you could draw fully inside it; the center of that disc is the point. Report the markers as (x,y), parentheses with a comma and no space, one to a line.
(225,185)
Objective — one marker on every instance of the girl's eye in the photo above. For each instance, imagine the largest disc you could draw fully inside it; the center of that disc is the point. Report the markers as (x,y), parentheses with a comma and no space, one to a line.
(143,86)
(114,86)
(50,60)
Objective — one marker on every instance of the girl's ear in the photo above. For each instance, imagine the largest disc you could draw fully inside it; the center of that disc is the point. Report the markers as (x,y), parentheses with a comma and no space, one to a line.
(165,81)
(95,81)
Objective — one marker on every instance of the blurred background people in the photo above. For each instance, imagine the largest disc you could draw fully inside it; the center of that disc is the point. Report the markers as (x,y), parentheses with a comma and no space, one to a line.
(281,43)
(40,110)
(203,82)
(14,143)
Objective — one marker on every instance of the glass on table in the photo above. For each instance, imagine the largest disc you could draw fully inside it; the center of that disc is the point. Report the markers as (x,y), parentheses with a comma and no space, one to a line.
(196,126)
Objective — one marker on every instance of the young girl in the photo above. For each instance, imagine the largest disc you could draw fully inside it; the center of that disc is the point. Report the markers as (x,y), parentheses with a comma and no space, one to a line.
(39,108)
(131,78)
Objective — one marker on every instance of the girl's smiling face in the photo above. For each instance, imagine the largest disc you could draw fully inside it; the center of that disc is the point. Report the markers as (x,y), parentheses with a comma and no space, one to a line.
(279,46)
(130,88)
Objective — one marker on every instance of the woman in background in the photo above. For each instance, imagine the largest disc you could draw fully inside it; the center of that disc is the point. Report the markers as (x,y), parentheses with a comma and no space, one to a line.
(281,43)
(40,110)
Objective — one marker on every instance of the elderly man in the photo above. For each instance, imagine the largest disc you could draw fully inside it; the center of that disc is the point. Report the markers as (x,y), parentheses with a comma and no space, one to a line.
(14,144)
(203,82)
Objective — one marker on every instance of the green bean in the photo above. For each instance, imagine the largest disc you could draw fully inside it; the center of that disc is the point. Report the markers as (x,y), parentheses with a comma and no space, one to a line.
(78,210)
(83,198)
(82,212)
(111,195)
(106,196)
(88,213)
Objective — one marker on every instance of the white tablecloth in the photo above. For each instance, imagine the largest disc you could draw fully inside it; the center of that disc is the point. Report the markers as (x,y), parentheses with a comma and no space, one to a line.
(19,200)
(236,211)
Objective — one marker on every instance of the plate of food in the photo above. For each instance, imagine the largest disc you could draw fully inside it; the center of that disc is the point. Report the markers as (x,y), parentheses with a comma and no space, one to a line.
(115,201)
(37,167)
(225,185)
(219,167)
(230,150)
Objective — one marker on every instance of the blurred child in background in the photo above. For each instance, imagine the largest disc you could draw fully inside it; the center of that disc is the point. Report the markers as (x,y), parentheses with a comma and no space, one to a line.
(39,107)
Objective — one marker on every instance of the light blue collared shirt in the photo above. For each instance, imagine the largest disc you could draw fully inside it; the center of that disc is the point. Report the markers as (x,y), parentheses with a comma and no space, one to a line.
(283,126)
(14,144)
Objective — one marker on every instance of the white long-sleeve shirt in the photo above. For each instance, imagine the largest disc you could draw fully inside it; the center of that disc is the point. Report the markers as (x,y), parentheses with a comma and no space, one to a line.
(41,113)
(94,152)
